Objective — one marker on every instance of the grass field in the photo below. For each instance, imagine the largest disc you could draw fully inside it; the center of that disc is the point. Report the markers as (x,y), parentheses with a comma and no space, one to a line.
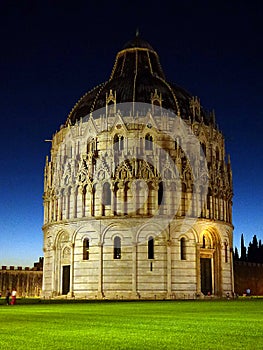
(133,325)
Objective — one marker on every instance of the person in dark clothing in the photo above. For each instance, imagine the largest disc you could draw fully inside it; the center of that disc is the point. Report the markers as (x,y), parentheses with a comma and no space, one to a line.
(7,297)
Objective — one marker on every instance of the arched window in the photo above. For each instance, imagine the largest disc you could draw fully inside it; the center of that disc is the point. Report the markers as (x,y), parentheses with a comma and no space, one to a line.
(106,194)
(160,193)
(106,197)
(151,248)
(118,141)
(86,249)
(121,143)
(148,142)
(183,248)
(117,248)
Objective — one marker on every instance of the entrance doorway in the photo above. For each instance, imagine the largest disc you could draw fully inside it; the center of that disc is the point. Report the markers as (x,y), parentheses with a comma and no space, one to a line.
(206,276)
(65,279)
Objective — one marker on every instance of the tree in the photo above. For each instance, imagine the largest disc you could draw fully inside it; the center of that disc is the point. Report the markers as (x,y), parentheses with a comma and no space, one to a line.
(243,255)
(236,255)
(254,251)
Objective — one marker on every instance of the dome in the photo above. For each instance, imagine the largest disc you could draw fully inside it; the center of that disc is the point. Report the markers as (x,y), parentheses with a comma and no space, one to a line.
(136,75)
(138,43)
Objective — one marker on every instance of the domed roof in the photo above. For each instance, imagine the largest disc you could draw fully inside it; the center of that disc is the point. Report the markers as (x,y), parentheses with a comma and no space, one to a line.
(136,75)
(139,43)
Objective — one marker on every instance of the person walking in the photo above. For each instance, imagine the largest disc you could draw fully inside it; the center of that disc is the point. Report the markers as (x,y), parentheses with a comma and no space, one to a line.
(13,296)
(7,297)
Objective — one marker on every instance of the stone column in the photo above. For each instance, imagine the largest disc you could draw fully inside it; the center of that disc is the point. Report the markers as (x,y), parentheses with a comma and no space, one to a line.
(198,270)
(53,281)
(134,269)
(100,271)
(169,269)
(71,290)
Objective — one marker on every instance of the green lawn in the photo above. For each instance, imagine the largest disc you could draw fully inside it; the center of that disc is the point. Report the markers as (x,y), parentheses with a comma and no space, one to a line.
(133,325)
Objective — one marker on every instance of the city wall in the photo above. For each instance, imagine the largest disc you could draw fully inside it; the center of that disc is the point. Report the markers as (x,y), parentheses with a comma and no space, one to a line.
(27,281)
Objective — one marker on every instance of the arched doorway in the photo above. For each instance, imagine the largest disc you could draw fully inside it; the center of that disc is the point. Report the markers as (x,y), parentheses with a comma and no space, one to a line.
(209,264)
(65,279)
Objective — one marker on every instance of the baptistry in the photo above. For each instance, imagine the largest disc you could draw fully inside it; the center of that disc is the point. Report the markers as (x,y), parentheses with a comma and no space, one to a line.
(138,192)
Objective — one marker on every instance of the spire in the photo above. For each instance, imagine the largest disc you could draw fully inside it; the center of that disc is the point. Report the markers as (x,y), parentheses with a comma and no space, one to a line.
(137,33)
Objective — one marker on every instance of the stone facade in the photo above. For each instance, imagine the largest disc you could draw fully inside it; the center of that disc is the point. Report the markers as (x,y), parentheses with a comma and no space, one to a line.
(138,198)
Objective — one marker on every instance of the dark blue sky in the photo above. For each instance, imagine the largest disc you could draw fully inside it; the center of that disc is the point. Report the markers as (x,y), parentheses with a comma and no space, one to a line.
(53,52)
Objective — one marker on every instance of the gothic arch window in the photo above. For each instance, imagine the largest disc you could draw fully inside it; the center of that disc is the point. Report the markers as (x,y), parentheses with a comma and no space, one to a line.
(160,193)
(86,249)
(106,194)
(117,248)
(118,142)
(121,141)
(106,197)
(148,142)
(150,247)
(183,248)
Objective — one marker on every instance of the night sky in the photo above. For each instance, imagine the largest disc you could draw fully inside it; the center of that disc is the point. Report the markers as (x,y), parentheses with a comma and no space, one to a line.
(53,52)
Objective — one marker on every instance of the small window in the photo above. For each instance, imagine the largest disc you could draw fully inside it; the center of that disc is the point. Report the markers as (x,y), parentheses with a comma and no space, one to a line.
(117,248)
(183,248)
(106,194)
(150,248)
(86,249)
(160,193)
(148,142)
(121,141)
(118,142)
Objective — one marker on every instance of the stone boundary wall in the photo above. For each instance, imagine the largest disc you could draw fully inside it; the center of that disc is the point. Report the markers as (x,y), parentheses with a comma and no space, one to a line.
(248,275)
(27,281)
